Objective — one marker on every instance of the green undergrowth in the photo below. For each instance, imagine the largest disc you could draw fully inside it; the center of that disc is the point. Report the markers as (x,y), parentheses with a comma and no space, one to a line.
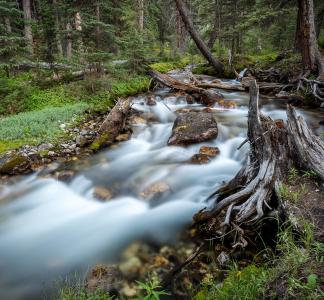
(166,66)
(36,127)
(30,114)
(292,271)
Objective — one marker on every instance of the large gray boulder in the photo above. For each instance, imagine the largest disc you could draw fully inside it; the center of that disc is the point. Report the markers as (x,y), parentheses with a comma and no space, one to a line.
(193,127)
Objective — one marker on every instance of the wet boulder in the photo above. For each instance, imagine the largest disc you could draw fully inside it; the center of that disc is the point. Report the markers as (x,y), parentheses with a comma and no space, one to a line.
(193,127)
(150,100)
(102,193)
(14,164)
(200,159)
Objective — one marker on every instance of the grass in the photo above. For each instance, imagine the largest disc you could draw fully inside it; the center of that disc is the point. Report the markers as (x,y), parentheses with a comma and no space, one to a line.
(292,196)
(36,126)
(291,272)
(79,293)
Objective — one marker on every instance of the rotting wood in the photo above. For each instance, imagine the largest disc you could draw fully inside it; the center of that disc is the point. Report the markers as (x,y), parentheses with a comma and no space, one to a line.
(254,193)
(114,123)
(206,97)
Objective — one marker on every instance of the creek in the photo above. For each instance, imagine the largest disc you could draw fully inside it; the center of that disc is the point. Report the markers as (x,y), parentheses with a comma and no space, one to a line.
(49,229)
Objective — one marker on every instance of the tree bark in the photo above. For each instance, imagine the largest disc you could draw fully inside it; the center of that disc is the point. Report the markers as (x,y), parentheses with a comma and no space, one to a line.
(216,25)
(219,68)
(306,39)
(254,193)
(68,41)
(8,24)
(57,25)
(140,4)
(27,26)
(97,12)
(202,95)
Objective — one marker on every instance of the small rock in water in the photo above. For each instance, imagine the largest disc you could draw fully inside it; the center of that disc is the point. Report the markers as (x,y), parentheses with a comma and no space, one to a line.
(122,137)
(102,193)
(64,175)
(200,159)
(193,127)
(150,100)
(209,151)
(155,190)
(227,103)
(136,120)
(190,99)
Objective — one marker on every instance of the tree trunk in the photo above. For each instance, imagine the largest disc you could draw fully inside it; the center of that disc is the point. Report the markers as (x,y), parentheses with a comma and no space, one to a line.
(219,68)
(254,193)
(27,26)
(57,25)
(181,35)
(68,41)
(97,12)
(216,27)
(140,15)
(78,28)
(8,24)
(306,38)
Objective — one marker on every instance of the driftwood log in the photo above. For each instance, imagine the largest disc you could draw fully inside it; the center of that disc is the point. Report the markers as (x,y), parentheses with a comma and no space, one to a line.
(202,95)
(114,123)
(254,193)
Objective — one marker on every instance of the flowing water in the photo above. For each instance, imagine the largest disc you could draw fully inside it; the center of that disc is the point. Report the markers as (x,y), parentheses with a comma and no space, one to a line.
(49,229)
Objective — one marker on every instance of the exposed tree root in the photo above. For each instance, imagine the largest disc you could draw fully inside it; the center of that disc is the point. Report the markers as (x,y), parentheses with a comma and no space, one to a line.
(253,193)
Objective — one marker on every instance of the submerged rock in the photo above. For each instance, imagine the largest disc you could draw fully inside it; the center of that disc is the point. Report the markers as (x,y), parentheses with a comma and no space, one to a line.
(193,127)
(102,193)
(209,151)
(200,159)
(155,190)
(13,164)
(150,100)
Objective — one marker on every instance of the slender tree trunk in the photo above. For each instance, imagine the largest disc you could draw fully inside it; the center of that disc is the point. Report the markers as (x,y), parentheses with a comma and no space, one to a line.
(306,36)
(181,35)
(140,15)
(214,33)
(27,26)
(97,12)
(57,25)
(8,24)
(68,40)
(197,39)
(78,28)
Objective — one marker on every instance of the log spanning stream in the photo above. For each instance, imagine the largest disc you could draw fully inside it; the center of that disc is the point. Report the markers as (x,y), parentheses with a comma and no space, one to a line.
(49,229)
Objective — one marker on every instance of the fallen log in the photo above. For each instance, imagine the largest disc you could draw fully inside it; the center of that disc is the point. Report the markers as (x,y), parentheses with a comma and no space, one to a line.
(113,125)
(254,193)
(201,95)
(220,85)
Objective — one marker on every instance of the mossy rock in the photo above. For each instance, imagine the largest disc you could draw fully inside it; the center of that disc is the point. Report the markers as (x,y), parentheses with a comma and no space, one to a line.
(13,164)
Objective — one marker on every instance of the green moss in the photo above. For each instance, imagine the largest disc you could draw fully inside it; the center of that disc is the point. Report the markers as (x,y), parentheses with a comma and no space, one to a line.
(12,163)
(100,142)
